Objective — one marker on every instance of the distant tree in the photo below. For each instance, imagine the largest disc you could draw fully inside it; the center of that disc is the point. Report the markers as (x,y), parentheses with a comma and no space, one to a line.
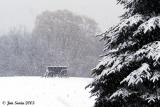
(14,53)
(63,38)
(129,73)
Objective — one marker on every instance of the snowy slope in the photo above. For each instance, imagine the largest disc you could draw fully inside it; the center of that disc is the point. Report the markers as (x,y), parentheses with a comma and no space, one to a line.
(45,92)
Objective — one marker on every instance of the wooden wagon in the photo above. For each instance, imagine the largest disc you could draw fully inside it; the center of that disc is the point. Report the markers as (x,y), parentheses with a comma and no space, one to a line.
(56,71)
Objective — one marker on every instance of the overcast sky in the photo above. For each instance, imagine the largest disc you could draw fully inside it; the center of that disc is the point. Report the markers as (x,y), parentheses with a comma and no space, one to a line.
(23,12)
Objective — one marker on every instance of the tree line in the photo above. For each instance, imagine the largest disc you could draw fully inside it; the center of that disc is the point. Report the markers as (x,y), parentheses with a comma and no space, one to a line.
(59,38)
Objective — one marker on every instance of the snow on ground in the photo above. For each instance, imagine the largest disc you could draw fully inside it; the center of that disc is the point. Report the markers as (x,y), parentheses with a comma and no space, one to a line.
(45,92)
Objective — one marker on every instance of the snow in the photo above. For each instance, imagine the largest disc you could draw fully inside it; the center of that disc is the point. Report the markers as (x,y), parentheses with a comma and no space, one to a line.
(106,61)
(156,76)
(134,20)
(114,64)
(149,25)
(120,93)
(138,75)
(127,1)
(46,92)
(130,22)
(114,37)
(150,98)
(151,50)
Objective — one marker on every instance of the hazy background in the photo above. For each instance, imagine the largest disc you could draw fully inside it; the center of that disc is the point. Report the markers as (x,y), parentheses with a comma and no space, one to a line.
(23,12)
(40,33)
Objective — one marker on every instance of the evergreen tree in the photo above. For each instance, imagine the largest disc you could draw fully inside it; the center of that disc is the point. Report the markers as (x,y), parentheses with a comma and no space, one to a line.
(128,74)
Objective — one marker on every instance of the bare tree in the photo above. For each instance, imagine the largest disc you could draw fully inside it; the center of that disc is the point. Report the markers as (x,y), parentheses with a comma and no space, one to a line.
(68,39)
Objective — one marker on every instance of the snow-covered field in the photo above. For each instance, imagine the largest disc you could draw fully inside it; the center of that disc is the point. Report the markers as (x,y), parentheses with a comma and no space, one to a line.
(45,92)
